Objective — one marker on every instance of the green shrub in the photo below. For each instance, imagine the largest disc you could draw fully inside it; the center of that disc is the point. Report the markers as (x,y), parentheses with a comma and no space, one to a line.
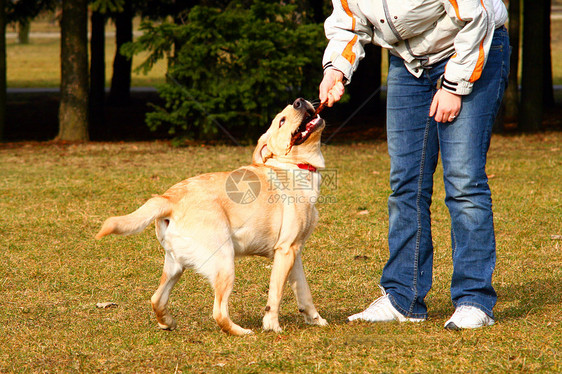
(234,67)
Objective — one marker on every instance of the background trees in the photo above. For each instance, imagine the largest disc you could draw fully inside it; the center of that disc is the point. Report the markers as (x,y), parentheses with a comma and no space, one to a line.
(536,73)
(236,66)
(229,63)
(73,111)
(3,85)
(22,12)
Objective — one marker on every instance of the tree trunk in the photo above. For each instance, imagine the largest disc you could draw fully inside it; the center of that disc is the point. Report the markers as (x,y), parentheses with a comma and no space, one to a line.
(2,68)
(97,75)
(511,98)
(120,93)
(548,86)
(366,80)
(532,81)
(23,31)
(73,110)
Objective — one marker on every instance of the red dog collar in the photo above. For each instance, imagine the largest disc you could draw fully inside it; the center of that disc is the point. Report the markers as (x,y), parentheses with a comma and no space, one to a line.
(306,167)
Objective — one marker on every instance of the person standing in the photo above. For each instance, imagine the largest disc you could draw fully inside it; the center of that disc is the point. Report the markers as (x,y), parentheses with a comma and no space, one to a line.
(448,67)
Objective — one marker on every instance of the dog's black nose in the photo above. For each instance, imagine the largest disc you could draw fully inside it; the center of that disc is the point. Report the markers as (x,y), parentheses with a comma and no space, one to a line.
(299,103)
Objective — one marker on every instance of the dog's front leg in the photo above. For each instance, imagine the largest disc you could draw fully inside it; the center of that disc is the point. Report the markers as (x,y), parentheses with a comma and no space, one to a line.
(283,261)
(300,287)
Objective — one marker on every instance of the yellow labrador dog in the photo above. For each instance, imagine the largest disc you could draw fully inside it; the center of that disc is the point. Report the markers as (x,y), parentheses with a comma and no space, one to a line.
(265,209)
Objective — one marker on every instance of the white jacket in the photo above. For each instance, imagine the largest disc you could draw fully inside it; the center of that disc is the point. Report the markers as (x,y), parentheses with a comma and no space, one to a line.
(421,32)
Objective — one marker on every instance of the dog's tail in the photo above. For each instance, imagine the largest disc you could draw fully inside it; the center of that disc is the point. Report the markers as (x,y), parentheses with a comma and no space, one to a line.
(156,207)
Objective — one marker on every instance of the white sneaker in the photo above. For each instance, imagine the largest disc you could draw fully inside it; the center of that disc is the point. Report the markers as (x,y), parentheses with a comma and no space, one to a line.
(382,310)
(468,317)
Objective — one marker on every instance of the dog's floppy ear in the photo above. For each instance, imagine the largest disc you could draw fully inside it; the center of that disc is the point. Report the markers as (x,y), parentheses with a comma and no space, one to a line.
(262,153)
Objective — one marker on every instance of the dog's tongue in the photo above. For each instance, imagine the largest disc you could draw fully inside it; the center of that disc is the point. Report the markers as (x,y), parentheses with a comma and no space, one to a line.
(312,123)
(301,133)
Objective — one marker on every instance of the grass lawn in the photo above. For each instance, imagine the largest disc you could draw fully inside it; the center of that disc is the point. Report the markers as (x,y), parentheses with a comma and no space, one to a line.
(53,272)
(38,64)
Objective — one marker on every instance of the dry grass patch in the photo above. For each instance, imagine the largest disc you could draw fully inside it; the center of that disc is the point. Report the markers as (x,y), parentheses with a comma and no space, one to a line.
(54,199)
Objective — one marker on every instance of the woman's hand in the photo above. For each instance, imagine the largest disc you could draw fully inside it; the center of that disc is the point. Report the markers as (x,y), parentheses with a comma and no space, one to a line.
(446,106)
(331,87)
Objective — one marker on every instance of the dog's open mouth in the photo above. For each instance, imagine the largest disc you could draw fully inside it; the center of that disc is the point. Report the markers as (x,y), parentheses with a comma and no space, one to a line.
(309,124)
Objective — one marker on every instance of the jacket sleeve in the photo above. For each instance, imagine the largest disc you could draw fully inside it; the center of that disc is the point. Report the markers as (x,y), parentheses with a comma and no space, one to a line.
(472,43)
(347,33)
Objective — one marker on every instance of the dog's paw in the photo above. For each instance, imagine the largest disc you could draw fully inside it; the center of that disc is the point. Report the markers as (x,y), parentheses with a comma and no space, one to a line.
(315,320)
(271,324)
(171,325)
(245,332)
(239,331)
(273,328)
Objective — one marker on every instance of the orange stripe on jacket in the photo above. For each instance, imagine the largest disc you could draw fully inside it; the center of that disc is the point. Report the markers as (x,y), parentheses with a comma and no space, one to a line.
(480,63)
(347,11)
(456,6)
(348,53)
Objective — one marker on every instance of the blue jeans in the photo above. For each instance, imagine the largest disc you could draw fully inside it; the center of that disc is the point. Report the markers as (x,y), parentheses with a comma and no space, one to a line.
(414,143)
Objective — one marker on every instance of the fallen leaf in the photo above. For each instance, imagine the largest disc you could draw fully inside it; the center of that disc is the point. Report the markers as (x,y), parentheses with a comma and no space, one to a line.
(362,212)
(556,237)
(105,305)
(361,257)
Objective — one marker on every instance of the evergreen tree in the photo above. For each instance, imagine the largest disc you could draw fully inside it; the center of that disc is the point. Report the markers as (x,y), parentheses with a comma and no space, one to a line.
(235,66)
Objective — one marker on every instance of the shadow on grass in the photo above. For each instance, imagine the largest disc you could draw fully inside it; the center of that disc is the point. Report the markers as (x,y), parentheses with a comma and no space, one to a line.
(528,298)
(515,301)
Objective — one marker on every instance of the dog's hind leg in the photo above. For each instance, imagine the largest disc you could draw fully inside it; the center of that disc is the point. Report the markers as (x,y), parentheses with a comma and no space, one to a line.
(223,283)
(300,287)
(170,275)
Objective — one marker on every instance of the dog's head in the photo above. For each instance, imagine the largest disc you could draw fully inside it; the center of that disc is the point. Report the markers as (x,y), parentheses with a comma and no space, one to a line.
(293,137)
